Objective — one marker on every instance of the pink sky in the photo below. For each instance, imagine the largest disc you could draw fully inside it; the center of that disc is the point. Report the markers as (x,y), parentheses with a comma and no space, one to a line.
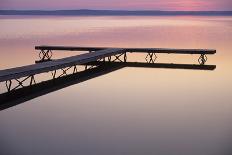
(119,4)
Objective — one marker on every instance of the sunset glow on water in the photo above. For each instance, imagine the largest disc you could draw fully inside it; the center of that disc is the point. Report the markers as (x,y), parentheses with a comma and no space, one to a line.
(129,111)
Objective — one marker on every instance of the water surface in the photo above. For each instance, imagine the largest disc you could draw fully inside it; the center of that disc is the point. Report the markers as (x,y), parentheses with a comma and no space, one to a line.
(129,111)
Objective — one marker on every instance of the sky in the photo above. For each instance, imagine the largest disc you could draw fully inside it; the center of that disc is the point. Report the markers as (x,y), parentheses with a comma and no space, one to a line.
(182,5)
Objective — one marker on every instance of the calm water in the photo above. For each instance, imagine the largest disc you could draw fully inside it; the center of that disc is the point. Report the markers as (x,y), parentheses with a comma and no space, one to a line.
(129,111)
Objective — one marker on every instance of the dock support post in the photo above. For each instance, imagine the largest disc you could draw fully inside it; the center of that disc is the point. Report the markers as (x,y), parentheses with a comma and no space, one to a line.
(75,69)
(117,58)
(149,58)
(109,58)
(45,55)
(32,80)
(64,70)
(202,59)
(54,74)
(20,83)
(125,57)
(8,85)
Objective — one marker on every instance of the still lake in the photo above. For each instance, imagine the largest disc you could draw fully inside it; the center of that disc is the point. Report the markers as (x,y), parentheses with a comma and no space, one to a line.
(132,111)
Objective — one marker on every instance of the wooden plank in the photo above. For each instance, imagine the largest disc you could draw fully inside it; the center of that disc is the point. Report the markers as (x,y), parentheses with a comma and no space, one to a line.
(173,51)
(69,48)
(132,50)
(24,71)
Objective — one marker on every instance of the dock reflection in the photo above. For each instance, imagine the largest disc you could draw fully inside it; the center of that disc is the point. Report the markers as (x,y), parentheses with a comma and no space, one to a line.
(158,65)
(22,95)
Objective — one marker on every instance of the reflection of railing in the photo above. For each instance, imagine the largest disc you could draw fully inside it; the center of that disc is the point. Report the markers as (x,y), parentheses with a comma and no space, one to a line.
(21,95)
(158,65)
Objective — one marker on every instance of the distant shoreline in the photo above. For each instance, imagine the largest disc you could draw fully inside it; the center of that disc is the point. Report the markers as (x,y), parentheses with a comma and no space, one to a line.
(113,13)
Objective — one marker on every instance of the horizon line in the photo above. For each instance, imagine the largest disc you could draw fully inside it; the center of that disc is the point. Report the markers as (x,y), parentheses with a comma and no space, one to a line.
(115,10)
(88,12)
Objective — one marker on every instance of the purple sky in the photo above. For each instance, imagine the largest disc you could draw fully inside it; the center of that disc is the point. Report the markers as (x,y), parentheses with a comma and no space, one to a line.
(118,4)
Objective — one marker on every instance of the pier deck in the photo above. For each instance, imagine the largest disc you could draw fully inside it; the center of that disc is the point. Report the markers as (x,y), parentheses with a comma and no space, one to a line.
(94,55)
(46,52)
(19,72)
(132,50)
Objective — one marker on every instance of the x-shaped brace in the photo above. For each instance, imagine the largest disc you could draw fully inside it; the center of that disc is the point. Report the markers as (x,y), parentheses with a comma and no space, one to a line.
(20,83)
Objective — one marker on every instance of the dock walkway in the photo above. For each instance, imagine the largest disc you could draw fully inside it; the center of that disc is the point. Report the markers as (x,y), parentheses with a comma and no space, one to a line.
(95,54)
(29,71)
(132,50)
(19,72)
(46,52)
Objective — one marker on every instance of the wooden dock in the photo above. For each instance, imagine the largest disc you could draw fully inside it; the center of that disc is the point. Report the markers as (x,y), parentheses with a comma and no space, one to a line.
(38,68)
(132,50)
(95,54)
(22,95)
(46,51)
